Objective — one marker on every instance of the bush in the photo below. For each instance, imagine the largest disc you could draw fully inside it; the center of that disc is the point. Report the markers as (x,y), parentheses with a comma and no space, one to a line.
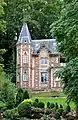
(64,113)
(56,106)
(61,106)
(35,104)
(52,105)
(27,101)
(41,105)
(68,108)
(24,109)
(60,110)
(57,116)
(25,95)
(48,104)
(11,114)
(19,96)
(36,100)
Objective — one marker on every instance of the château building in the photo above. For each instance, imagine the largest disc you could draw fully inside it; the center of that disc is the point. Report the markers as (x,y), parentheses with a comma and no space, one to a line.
(37,61)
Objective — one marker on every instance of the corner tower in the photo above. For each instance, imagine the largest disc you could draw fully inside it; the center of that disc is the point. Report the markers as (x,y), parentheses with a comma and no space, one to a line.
(23,64)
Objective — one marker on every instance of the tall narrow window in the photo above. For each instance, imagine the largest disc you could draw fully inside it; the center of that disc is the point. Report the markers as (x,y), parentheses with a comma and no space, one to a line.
(25,78)
(18,58)
(25,58)
(44,76)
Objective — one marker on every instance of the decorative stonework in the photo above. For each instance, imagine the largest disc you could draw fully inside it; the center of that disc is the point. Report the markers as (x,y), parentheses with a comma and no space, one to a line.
(36,63)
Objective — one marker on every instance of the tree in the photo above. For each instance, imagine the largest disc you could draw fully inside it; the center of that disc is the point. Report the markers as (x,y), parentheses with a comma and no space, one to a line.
(2,28)
(2,105)
(65,31)
(38,14)
(7,92)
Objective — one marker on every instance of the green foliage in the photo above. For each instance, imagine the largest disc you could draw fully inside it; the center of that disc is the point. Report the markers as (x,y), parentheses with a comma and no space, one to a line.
(7,92)
(35,104)
(25,95)
(52,105)
(57,116)
(2,22)
(2,105)
(68,108)
(2,51)
(11,114)
(56,105)
(48,104)
(19,96)
(61,106)
(69,79)
(60,110)
(36,100)
(24,109)
(41,105)
(66,30)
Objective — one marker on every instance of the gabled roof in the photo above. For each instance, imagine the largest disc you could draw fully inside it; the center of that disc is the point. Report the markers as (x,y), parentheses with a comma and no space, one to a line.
(24,36)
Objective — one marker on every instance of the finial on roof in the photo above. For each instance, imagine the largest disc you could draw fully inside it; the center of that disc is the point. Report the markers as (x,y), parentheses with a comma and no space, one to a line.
(24,36)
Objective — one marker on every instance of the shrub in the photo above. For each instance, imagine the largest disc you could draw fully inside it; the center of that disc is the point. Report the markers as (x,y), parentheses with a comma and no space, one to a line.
(27,101)
(41,105)
(61,106)
(48,104)
(56,106)
(35,104)
(52,105)
(64,113)
(60,110)
(57,116)
(36,100)
(19,96)
(11,114)
(24,109)
(25,95)
(68,108)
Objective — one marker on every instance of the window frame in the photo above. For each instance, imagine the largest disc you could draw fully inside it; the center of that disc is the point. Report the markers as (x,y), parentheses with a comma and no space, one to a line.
(44,80)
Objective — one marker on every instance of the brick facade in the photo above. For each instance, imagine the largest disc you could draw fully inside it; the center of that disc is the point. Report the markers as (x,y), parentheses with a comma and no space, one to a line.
(35,66)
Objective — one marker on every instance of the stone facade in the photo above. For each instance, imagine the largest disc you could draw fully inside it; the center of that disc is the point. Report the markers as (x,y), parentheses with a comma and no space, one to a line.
(37,61)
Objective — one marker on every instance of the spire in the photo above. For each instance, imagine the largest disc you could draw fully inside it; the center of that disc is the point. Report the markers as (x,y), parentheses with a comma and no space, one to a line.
(24,36)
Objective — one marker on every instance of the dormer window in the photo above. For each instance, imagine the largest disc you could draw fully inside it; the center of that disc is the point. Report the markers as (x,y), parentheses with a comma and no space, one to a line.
(43,61)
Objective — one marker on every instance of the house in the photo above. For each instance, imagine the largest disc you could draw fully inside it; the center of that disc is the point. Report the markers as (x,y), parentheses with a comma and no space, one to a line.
(37,61)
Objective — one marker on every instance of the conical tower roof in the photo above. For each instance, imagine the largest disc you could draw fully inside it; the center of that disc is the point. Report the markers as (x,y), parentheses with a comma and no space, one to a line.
(24,36)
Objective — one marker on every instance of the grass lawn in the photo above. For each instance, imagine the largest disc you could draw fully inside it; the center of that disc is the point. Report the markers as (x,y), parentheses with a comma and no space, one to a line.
(54,100)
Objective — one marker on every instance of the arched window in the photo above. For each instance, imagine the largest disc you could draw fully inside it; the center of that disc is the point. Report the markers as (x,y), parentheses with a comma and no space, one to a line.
(25,77)
(25,58)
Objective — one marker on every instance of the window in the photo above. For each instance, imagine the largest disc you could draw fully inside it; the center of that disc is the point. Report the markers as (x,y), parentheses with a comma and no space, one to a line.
(57,60)
(18,58)
(44,76)
(25,58)
(44,61)
(25,78)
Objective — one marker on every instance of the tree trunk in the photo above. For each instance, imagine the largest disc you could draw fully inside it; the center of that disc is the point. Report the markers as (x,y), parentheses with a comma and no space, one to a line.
(0,115)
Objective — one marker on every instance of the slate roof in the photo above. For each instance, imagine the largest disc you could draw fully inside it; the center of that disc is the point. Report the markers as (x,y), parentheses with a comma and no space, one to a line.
(25,37)
(50,44)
